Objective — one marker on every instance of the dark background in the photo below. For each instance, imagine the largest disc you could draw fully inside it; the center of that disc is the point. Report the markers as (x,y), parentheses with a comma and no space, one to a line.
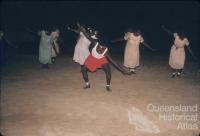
(110,18)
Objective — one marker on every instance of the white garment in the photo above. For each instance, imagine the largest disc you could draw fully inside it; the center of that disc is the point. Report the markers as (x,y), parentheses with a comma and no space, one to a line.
(81,51)
(96,54)
(45,47)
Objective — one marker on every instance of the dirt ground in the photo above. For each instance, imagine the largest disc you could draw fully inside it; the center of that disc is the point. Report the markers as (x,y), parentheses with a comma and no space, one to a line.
(38,102)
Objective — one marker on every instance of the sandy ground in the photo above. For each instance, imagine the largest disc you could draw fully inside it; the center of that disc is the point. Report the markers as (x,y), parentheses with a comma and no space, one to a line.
(36,102)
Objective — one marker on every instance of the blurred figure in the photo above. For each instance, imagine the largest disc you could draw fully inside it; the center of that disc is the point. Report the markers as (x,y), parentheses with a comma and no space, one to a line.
(177,53)
(1,134)
(81,51)
(48,39)
(45,48)
(55,48)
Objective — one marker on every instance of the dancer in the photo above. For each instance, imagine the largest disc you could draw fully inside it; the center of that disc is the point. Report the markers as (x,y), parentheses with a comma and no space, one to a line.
(81,51)
(132,51)
(98,58)
(45,48)
(177,52)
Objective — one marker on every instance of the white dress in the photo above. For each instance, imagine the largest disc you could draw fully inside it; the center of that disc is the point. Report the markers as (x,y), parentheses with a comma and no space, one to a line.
(81,51)
(177,53)
(132,53)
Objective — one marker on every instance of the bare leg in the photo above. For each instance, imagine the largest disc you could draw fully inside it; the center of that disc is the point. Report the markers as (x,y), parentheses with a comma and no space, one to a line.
(107,71)
(85,76)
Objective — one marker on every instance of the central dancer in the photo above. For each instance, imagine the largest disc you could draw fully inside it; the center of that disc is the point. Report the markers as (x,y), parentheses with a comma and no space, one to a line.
(98,58)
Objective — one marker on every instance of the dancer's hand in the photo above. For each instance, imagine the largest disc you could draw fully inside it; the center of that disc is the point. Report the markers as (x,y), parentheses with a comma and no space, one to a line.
(126,71)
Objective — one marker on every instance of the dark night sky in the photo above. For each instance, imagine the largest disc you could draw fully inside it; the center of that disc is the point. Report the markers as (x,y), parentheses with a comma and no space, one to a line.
(111,18)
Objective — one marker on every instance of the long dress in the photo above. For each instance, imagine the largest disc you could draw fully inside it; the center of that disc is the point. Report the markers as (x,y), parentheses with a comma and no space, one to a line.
(177,53)
(132,53)
(81,51)
(45,48)
(55,36)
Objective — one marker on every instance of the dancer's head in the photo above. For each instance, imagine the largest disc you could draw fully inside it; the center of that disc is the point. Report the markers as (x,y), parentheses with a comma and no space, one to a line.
(137,32)
(181,35)
(130,29)
(94,34)
(55,29)
(47,29)
(100,49)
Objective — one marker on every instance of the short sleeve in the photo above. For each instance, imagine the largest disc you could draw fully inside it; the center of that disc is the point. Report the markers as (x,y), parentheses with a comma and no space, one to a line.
(175,35)
(186,42)
(81,33)
(127,36)
(40,33)
(141,39)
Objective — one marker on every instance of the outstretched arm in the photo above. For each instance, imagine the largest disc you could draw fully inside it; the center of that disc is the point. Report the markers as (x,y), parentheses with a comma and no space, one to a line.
(74,30)
(9,43)
(116,65)
(31,31)
(148,46)
(166,30)
(190,51)
(83,30)
(117,40)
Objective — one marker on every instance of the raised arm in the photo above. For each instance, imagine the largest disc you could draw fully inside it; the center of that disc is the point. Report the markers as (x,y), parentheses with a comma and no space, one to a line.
(74,30)
(31,31)
(9,43)
(83,30)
